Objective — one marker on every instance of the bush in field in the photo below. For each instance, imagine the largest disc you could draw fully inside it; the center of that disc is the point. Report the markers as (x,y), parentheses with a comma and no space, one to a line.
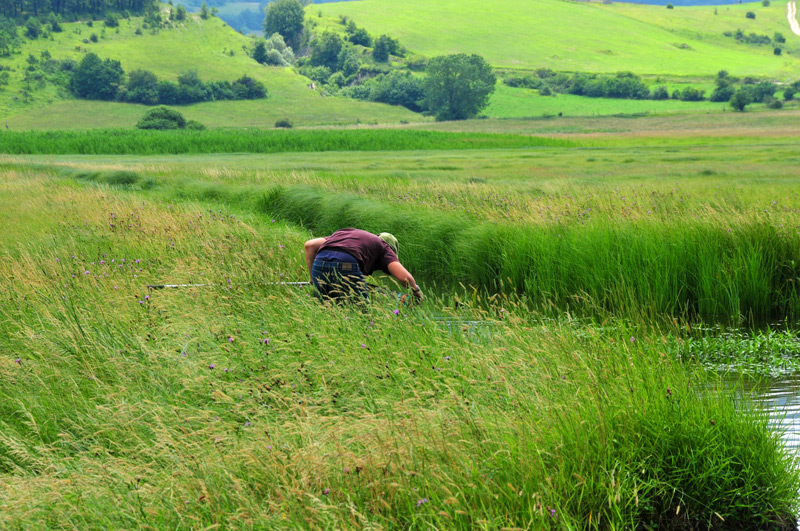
(111,21)
(777,51)
(741,99)
(285,17)
(779,38)
(458,86)
(750,14)
(284,123)
(162,118)
(788,93)
(689,94)
(660,93)
(96,79)
(773,103)
(723,93)
(180,12)
(761,91)
(194,125)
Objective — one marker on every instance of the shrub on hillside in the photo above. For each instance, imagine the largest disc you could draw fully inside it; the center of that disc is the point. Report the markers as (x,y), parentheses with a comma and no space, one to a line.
(194,125)
(750,14)
(33,28)
(325,50)
(55,23)
(111,21)
(273,51)
(248,88)
(162,118)
(788,93)
(284,123)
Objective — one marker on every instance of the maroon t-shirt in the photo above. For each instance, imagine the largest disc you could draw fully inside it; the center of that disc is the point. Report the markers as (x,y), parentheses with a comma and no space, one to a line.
(371,252)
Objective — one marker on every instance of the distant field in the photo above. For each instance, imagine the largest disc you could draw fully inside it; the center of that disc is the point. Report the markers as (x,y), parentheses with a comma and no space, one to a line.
(211,47)
(580,36)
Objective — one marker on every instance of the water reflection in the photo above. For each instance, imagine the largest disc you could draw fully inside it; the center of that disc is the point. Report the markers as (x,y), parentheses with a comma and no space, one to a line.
(781,398)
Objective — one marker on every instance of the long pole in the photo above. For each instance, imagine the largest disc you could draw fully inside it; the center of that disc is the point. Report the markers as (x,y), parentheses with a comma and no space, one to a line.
(167,286)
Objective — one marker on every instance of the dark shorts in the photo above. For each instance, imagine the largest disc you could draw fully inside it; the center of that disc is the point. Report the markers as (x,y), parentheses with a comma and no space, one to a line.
(337,276)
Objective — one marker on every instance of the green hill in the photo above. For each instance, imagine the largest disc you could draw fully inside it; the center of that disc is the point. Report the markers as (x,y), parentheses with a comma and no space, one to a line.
(210,46)
(582,36)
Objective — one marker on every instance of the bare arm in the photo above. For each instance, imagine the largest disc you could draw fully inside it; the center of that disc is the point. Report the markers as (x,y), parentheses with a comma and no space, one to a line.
(401,273)
(311,249)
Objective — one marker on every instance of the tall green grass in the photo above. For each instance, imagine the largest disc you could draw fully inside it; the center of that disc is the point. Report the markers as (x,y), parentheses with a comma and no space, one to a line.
(145,142)
(716,266)
(251,406)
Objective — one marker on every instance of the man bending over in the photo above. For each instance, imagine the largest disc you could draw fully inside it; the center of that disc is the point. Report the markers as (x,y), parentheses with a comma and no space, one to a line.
(338,264)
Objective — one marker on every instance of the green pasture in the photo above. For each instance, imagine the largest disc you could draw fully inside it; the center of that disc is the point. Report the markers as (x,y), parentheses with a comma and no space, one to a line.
(578,36)
(246,405)
(507,102)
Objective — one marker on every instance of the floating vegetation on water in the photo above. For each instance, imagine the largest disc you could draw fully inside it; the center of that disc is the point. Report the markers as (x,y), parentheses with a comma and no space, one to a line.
(767,353)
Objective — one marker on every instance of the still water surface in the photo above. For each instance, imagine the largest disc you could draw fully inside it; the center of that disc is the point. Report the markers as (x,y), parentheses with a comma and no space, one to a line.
(781,397)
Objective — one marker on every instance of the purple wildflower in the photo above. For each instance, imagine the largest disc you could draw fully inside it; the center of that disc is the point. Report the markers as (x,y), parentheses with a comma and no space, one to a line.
(266,341)
(396,312)
(211,366)
(447,357)
(326,491)
(246,424)
(633,339)
(231,339)
(18,361)
(421,501)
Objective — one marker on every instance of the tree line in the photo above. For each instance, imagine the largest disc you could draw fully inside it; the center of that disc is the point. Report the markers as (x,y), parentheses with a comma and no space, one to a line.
(70,8)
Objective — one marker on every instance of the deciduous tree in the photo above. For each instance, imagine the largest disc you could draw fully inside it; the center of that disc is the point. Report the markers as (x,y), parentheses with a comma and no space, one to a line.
(458,86)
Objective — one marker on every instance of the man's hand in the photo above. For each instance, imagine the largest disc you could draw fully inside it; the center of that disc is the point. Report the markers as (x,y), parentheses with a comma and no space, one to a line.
(417,294)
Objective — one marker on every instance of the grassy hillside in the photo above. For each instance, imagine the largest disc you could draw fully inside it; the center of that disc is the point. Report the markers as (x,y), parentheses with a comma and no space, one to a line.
(581,36)
(211,47)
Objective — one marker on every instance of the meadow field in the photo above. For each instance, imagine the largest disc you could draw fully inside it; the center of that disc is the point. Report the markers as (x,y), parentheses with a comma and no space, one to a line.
(581,36)
(556,377)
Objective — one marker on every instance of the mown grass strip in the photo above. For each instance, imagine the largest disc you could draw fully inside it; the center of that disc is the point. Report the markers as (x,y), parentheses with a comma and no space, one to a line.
(137,142)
